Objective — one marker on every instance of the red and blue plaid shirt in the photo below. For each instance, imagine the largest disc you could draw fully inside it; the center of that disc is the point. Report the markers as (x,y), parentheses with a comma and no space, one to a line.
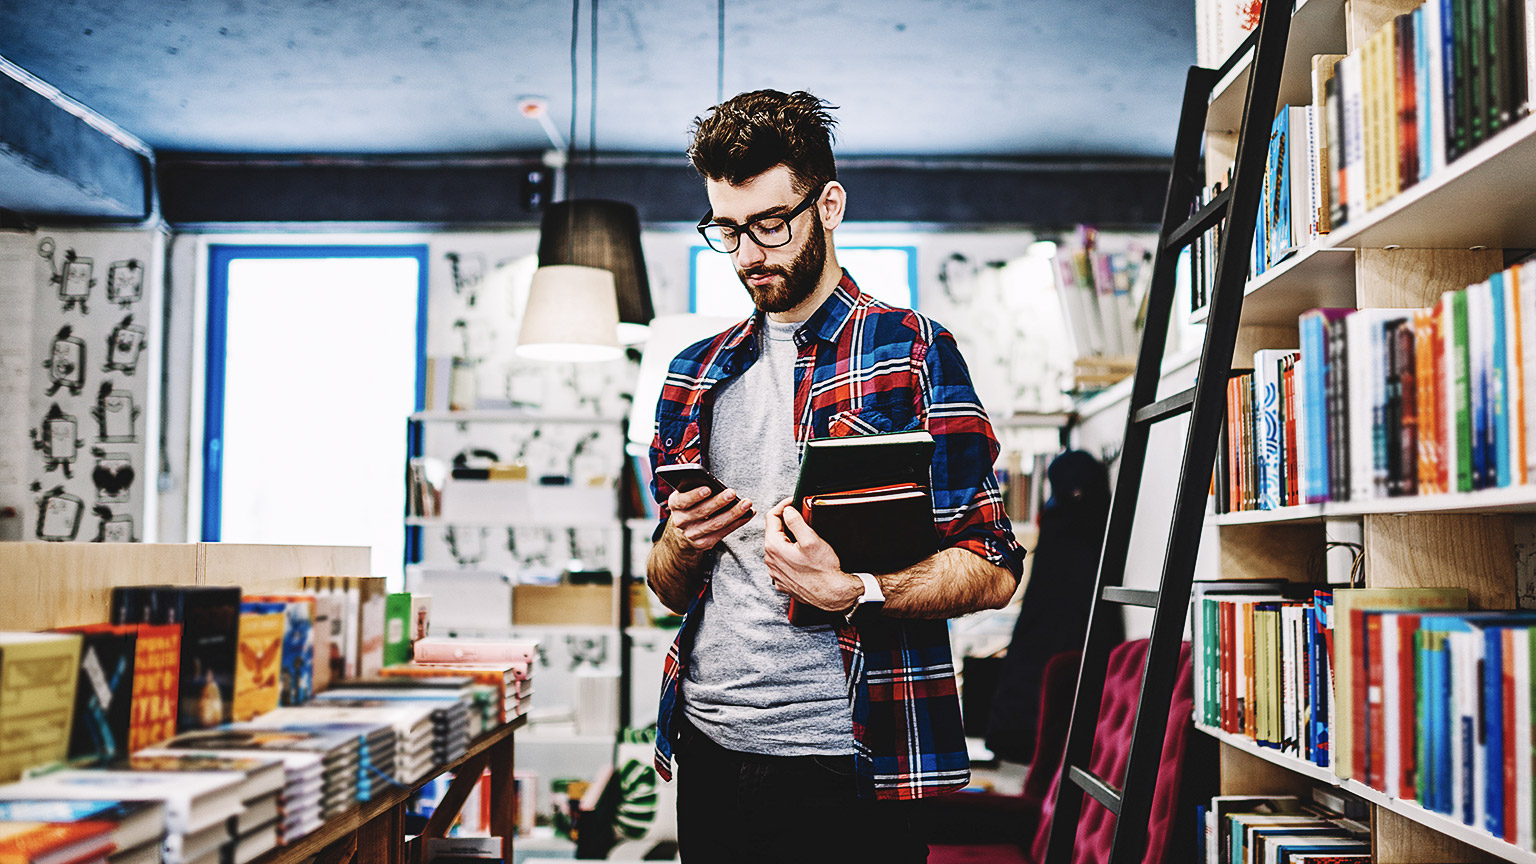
(864,367)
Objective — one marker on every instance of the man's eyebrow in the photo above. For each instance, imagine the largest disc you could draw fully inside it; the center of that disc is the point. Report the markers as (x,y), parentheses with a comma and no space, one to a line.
(775,210)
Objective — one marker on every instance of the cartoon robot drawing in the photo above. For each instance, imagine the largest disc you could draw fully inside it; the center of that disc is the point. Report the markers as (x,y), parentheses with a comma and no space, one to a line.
(59,438)
(74,275)
(124,346)
(113,476)
(113,527)
(125,282)
(116,415)
(467,271)
(66,363)
(58,515)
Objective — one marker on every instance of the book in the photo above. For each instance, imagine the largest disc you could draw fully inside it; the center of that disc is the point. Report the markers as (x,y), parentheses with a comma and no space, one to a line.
(132,823)
(210,618)
(50,843)
(103,692)
(298,662)
(259,665)
(37,699)
(194,800)
(156,677)
(398,628)
(435,649)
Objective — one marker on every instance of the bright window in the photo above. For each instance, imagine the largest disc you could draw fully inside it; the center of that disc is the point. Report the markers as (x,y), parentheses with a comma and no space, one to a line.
(888,272)
(314,361)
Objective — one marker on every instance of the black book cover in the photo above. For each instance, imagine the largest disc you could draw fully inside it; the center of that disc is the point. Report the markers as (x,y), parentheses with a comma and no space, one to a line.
(103,693)
(1394,408)
(881,532)
(1337,401)
(1338,207)
(210,619)
(130,604)
(863,462)
(1407,347)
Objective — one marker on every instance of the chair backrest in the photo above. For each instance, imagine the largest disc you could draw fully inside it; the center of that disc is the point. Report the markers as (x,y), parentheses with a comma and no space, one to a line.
(1111,750)
(1058,685)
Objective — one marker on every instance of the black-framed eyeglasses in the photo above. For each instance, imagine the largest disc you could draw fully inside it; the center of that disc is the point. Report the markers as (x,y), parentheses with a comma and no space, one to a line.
(769,232)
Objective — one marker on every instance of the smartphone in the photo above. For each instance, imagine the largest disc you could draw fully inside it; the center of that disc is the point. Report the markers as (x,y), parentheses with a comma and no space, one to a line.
(689,476)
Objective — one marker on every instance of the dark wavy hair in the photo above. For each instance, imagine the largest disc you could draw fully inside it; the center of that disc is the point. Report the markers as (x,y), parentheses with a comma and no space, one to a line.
(752,132)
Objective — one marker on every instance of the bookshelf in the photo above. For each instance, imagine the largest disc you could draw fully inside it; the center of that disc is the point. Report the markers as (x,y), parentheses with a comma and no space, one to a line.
(62,584)
(1445,232)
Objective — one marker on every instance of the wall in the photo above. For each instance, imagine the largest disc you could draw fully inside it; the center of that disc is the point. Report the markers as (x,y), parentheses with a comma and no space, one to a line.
(88,361)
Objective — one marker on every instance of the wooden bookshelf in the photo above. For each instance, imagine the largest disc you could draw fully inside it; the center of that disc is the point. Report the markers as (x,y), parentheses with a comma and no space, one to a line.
(1317,27)
(1317,276)
(1510,499)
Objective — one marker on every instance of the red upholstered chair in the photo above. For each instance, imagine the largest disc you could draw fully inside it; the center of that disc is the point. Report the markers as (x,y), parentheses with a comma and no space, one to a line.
(986,827)
(1112,744)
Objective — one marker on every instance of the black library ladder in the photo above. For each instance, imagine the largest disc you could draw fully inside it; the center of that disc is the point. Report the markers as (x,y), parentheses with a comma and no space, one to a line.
(1238,205)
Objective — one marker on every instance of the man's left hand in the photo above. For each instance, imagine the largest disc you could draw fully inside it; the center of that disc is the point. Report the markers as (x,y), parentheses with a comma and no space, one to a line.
(803,565)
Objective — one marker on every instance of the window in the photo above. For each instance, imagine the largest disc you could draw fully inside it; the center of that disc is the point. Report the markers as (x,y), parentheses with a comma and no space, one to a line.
(315,359)
(888,272)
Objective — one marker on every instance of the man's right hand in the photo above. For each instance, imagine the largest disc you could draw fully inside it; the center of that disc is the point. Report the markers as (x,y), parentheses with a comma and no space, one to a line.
(700,520)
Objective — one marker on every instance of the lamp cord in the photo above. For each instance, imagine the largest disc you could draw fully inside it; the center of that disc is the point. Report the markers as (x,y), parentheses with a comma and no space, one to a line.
(592,105)
(570,177)
(720,54)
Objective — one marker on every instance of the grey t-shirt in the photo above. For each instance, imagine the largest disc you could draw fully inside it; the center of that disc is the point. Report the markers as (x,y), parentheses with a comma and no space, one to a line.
(756,683)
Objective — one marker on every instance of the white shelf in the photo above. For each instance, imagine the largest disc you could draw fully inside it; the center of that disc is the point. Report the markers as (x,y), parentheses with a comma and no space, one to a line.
(510,416)
(1453,828)
(1035,420)
(1317,27)
(1480,199)
(1510,499)
(1317,276)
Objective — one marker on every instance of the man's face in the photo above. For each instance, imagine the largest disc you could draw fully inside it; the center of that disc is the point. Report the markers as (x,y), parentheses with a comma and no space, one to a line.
(780,278)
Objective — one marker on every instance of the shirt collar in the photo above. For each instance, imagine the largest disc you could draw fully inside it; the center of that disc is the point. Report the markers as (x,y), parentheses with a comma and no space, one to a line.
(825,323)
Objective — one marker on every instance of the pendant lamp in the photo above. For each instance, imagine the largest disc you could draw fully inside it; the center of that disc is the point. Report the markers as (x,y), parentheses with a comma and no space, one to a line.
(571,316)
(592,232)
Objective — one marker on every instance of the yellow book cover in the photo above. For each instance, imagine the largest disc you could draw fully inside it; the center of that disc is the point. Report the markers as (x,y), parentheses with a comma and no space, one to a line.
(1391,174)
(1368,128)
(1370,599)
(258,665)
(37,699)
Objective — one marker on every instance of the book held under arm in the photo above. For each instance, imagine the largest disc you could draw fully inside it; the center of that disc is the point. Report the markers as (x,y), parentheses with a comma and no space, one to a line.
(868,497)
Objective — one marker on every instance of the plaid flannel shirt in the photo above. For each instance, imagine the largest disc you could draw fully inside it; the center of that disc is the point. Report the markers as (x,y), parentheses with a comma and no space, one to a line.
(863,367)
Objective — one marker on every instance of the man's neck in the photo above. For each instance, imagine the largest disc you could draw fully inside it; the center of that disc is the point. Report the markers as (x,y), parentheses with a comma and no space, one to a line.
(831,275)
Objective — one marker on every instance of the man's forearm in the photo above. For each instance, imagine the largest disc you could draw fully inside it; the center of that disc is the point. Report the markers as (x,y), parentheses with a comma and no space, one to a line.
(950,583)
(674,570)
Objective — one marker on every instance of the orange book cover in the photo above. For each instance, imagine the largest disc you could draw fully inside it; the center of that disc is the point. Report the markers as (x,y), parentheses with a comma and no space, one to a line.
(258,664)
(1250,715)
(156,678)
(1424,383)
(27,842)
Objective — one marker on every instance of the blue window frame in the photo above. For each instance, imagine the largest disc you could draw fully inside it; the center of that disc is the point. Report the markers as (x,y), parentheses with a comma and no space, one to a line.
(220,256)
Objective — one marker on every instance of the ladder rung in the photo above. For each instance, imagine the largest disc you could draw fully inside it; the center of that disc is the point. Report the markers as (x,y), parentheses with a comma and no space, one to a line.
(1204,219)
(1102,792)
(1164,409)
(1131,596)
(1243,47)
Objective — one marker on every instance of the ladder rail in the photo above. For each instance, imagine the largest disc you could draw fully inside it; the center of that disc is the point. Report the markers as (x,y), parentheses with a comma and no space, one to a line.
(1111,571)
(1206,418)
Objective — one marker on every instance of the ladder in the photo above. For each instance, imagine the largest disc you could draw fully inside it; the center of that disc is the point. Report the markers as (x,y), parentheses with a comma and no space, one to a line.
(1239,205)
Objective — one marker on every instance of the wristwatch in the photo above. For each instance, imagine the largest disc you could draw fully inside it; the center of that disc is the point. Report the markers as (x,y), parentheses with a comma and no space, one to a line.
(872,593)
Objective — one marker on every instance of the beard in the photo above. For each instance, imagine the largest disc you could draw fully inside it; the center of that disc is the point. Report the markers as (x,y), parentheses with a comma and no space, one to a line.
(798,279)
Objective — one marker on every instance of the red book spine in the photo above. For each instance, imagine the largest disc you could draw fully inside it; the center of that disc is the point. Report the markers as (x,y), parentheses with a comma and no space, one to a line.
(1407,707)
(1292,488)
(1443,418)
(1376,732)
(1360,694)
(1228,634)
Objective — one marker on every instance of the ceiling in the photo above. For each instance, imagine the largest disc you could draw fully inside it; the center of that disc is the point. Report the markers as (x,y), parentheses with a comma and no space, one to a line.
(943,78)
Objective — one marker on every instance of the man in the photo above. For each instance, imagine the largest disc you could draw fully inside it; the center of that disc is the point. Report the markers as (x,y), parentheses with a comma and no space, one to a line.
(809,743)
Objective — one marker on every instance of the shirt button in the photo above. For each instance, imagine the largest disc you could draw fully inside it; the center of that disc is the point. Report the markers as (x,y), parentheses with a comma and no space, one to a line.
(669,442)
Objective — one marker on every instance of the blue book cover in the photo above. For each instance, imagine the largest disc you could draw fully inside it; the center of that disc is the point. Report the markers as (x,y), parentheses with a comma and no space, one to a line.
(1499,468)
(1421,83)
(1477,380)
(1308,652)
(1266,424)
(1435,786)
(1314,390)
(1492,740)
(1322,677)
(1277,200)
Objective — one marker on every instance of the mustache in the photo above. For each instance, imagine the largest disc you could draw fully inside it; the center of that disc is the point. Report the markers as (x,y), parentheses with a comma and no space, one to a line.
(763,271)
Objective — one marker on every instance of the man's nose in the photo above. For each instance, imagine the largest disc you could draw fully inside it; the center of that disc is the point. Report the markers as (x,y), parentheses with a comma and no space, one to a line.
(749,254)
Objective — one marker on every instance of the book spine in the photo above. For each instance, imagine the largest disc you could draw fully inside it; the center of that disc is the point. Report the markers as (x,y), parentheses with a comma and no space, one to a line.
(1393,413)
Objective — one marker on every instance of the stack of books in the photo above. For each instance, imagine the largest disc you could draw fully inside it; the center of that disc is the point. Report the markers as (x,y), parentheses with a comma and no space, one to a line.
(410,723)
(257,828)
(337,752)
(1282,828)
(505,665)
(449,700)
(299,802)
(375,767)
(117,832)
(199,805)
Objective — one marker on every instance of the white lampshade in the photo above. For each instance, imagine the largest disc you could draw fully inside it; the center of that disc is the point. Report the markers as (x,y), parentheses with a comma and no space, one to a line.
(572,315)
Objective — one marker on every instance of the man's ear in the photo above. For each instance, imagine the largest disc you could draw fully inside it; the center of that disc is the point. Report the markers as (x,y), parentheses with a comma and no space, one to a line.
(830,208)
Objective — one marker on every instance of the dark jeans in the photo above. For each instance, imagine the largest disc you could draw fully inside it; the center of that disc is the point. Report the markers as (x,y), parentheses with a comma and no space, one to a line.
(736,808)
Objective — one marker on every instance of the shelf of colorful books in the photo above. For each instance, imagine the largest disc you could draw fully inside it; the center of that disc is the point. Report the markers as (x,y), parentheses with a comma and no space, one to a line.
(1292,763)
(1317,27)
(1453,828)
(1479,200)
(355,819)
(1316,276)
(1300,513)
(509,415)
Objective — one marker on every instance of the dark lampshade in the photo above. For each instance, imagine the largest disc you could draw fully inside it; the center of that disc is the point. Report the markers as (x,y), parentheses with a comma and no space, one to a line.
(591,232)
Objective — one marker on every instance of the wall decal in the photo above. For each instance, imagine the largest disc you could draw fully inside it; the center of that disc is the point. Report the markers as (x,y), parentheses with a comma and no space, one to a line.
(66,363)
(113,528)
(124,345)
(58,515)
(589,651)
(116,415)
(74,275)
(125,282)
(466,545)
(468,271)
(113,476)
(59,439)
